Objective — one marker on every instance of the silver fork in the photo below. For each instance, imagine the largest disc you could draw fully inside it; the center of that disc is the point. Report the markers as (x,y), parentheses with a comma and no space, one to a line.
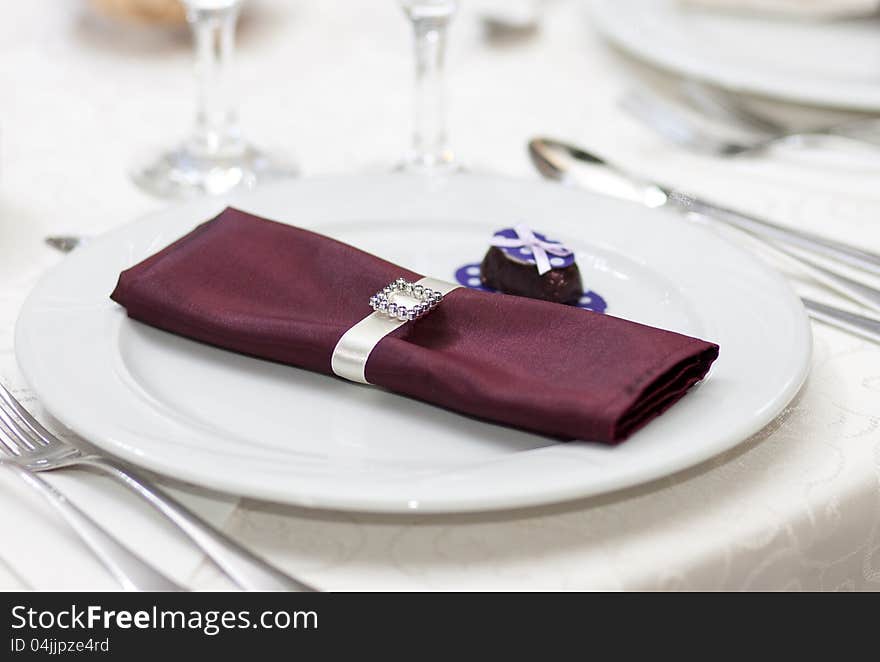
(671,122)
(37,449)
(132,572)
(723,105)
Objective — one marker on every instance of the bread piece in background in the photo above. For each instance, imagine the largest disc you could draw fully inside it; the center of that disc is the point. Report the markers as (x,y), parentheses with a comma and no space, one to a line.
(157,12)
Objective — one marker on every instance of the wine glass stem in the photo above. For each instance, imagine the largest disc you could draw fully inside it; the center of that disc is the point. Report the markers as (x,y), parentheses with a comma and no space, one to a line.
(216,130)
(429,146)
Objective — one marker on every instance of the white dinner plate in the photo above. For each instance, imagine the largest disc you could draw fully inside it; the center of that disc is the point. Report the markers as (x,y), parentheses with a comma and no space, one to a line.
(271,431)
(833,63)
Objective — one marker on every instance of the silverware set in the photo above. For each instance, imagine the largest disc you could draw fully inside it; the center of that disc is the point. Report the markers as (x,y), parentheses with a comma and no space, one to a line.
(567,163)
(31,449)
(758,133)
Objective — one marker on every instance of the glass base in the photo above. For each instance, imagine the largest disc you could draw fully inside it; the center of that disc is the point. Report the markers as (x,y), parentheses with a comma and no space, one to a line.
(422,165)
(184,173)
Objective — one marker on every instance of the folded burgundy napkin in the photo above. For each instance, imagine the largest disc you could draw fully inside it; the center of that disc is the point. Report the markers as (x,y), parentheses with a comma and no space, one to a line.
(282,293)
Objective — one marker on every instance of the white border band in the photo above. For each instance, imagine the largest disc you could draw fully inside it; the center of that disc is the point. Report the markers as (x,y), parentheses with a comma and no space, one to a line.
(351,353)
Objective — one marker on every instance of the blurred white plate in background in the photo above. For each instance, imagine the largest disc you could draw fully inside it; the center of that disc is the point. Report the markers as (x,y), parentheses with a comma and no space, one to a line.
(834,63)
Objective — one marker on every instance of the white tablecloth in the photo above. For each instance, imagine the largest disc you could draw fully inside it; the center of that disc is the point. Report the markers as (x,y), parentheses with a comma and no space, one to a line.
(797,506)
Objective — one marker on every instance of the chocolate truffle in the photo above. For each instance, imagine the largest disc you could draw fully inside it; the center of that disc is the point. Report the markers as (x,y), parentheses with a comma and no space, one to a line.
(513,270)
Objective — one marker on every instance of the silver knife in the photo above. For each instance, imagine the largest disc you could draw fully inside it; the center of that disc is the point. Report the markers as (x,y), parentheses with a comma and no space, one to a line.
(859,325)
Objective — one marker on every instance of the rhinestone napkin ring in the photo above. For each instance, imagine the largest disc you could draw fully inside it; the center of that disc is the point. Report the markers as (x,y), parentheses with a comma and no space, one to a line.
(385,300)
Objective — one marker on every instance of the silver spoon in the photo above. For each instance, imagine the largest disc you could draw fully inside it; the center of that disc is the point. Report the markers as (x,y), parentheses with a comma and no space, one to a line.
(562,161)
(549,157)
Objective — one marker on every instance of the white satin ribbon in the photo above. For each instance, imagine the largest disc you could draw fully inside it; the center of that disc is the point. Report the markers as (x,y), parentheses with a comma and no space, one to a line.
(350,355)
(527,239)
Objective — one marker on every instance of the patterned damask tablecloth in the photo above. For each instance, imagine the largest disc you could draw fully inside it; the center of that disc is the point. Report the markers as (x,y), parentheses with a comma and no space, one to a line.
(797,506)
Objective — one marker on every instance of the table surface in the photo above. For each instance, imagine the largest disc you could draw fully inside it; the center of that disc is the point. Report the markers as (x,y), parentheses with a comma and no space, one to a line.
(797,506)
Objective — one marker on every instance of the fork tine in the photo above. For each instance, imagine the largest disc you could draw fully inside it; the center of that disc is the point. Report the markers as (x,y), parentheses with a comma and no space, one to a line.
(16,431)
(6,440)
(16,434)
(36,430)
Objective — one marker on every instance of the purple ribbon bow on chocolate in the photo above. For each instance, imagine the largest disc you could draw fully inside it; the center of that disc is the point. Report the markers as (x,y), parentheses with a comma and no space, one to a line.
(525,238)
